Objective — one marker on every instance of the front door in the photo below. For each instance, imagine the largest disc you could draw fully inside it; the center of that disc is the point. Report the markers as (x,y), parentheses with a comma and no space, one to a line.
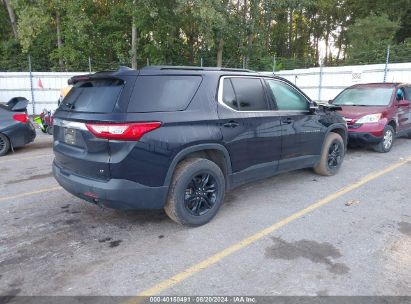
(302,132)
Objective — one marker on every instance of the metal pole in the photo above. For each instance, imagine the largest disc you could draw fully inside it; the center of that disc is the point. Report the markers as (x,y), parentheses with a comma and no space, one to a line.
(321,81)
(31,87)
(201,61)
(274,64)
(148,62)
(387,60)
(89,64)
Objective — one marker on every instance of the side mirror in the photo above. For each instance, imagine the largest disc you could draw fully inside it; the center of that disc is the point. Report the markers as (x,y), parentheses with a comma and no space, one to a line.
(400,95)
(313,106)
(403,103)
(330,101)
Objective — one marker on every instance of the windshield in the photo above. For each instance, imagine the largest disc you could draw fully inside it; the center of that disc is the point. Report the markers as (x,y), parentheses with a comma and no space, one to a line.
(364,97)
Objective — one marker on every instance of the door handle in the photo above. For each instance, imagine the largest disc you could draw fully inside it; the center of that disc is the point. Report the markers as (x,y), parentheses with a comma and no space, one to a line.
(231,124)
(287,120)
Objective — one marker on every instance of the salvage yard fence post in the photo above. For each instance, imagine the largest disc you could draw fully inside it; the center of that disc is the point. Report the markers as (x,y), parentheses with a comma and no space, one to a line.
(31,87)
(387,60)
(320,84)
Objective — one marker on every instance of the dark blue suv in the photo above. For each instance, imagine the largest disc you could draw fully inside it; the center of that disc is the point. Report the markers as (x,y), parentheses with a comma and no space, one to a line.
(179,138)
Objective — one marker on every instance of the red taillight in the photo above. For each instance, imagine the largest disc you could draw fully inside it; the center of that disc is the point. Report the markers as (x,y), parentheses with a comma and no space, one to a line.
(21,118)
(122,131)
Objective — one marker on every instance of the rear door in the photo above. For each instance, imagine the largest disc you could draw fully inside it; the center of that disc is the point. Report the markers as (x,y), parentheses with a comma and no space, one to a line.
(302,133)
(251,129)
(77,150)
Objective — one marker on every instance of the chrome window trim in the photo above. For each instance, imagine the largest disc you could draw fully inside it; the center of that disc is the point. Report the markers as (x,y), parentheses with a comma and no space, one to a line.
(221,102)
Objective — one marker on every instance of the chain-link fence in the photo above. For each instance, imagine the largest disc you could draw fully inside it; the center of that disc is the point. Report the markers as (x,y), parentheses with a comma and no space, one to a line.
(321,82)
(40,63)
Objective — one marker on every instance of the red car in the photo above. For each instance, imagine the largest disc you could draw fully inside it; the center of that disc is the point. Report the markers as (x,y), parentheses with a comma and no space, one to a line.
(376,113)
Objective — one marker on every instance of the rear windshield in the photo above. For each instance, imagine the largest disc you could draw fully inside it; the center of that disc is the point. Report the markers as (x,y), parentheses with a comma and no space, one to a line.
(97,96)
(364,97)
(163,93)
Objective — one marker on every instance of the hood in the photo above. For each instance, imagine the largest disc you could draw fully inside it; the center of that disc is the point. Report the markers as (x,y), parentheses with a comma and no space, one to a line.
(356,112)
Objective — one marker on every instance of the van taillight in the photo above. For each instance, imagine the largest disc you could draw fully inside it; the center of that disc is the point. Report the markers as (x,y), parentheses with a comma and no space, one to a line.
(21,117)
(122,131)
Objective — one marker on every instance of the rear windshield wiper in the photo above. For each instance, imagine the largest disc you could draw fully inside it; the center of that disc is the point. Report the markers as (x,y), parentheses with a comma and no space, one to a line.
(70,106)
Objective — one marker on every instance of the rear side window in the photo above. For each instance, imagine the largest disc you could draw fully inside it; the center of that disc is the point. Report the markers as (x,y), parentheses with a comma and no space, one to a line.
(163,93)
(98,96)
(250,95)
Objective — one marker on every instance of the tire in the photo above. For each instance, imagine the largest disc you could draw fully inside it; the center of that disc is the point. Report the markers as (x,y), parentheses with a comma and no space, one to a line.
(388,139)
(49,130)
(189,202)
(332,155)
(4,144)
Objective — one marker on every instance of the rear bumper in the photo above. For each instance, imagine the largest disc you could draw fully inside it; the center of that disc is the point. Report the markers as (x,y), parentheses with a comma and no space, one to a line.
(115,193)
(363,138)
(20,134)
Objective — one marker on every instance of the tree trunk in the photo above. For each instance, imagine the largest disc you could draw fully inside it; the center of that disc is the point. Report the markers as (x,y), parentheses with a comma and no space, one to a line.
(12,17)
(339,44)
(220,52)
(245,22)
(298,36)
(190,42)
(290,31)
(59,41)
(134,38)
(327,38)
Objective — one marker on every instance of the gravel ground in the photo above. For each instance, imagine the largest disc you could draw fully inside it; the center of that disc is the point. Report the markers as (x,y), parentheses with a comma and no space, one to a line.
(52,243)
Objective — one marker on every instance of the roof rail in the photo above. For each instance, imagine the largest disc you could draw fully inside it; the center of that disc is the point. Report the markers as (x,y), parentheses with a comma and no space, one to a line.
(194,68)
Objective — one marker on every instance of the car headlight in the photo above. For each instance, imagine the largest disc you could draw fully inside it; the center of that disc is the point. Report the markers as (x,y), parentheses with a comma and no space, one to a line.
(369,118)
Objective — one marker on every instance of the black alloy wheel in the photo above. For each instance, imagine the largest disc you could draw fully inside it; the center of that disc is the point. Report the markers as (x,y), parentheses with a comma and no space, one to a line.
(335,155)
(201,194)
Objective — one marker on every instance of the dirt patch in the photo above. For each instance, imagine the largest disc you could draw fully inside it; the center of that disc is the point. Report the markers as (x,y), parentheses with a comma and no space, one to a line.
(72,221)
(30,178)
(321,253)
(404,228)
(115,243)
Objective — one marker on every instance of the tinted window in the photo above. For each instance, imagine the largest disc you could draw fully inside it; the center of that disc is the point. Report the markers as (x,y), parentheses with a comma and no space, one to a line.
(163,93)
(286,97)
(249,94)
(228,94)
(366,96)
(99,96)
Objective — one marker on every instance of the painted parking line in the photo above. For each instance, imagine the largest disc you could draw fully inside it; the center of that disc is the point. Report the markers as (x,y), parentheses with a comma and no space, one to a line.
(185,274)
(23,158)
(12,197)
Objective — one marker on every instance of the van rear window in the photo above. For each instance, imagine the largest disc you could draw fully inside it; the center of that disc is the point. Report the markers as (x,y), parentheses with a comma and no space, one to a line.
(163,93)
(97,96)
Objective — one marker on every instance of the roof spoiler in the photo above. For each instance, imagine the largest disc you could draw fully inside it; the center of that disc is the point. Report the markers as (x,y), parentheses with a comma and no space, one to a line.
(86,77)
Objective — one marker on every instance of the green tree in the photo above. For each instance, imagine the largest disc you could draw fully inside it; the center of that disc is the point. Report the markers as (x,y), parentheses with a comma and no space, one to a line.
(369,38)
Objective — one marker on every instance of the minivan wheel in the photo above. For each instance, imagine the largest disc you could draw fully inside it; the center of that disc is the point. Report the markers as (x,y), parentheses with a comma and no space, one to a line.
(332,155)
(196,192)
(388,139)
(4,144)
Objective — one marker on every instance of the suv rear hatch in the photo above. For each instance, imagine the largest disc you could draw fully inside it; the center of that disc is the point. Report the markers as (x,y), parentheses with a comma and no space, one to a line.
(77,150)
(104,116)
